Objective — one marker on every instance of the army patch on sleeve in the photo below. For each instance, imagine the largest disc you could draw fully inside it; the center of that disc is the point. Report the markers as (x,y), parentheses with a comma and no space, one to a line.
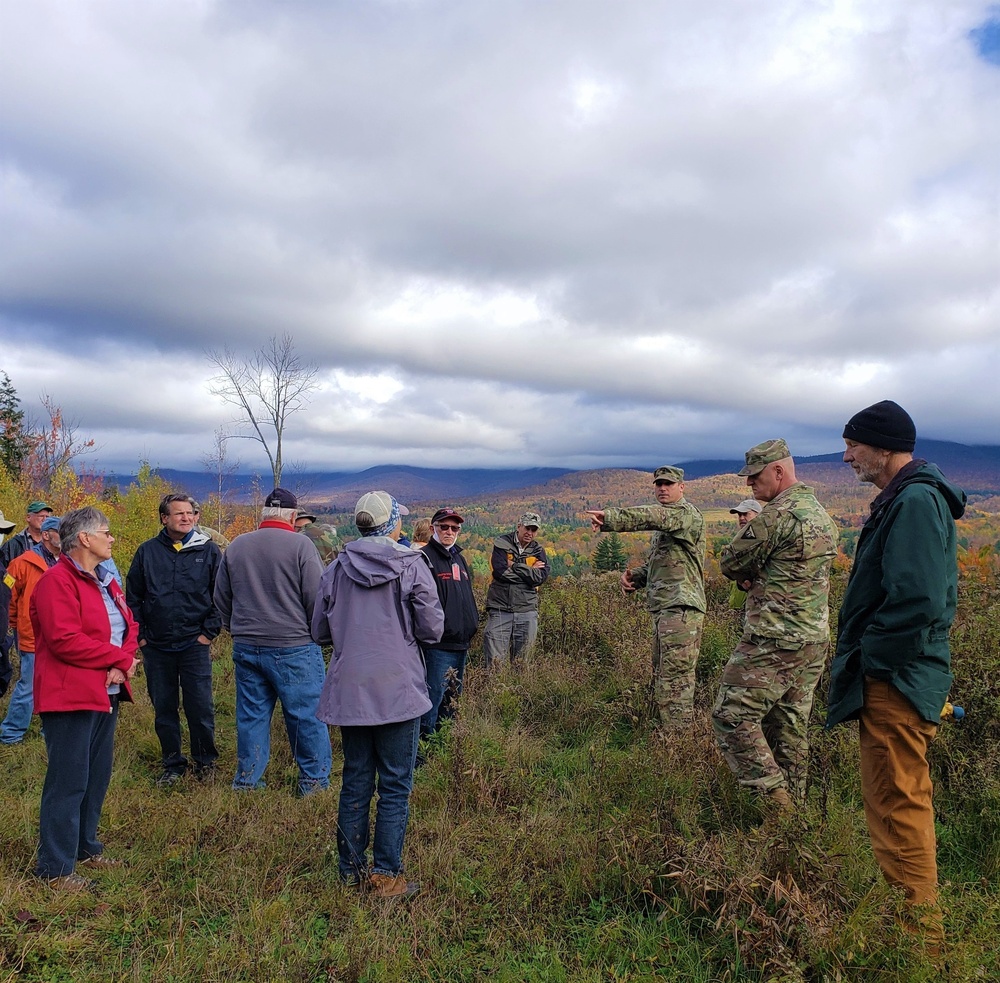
(748,533)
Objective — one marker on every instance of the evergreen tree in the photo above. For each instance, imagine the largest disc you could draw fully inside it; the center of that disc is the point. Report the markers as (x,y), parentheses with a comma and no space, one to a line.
(15,437)
(610,554)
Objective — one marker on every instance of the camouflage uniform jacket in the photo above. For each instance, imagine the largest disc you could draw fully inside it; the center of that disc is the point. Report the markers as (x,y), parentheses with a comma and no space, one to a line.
(674,571)
(324,537)
(787,552)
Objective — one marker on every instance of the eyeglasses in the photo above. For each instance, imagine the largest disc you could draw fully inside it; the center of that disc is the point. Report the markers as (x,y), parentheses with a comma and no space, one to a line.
(448,527)
(99,532)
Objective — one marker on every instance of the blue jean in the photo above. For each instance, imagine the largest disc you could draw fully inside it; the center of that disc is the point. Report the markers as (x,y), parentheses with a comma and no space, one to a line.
(390,752)
(168,675)
(15,725)
(437,662)
(80,746)
(295,676)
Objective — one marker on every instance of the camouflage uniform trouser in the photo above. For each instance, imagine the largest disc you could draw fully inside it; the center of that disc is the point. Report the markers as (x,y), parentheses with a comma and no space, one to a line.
(676,644)
(762,713)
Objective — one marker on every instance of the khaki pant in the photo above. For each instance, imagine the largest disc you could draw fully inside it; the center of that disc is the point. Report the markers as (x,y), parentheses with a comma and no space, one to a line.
(896,787)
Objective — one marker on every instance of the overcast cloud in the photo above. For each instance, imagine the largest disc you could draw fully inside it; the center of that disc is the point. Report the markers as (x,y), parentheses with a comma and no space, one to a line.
(509,232)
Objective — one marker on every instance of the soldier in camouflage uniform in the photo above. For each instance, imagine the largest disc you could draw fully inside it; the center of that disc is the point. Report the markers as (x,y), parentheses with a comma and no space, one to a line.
(324,538)
(782,558)
(674,578)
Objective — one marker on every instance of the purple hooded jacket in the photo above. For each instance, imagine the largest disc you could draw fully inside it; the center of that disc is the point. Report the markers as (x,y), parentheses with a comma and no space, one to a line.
(377,604)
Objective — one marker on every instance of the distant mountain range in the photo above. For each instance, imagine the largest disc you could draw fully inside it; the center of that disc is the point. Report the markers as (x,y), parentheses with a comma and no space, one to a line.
(976,469)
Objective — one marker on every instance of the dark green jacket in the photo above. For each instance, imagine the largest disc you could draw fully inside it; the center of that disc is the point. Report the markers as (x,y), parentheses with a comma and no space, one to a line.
(901,596)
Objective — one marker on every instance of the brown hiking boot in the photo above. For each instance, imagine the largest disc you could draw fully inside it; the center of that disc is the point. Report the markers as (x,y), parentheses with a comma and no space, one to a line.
(386,886)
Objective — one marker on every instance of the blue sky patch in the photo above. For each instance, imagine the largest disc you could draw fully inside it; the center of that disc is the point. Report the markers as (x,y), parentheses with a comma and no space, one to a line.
(986,38)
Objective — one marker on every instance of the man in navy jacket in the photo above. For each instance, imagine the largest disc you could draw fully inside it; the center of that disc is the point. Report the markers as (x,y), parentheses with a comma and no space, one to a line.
(445,662)
(169,590)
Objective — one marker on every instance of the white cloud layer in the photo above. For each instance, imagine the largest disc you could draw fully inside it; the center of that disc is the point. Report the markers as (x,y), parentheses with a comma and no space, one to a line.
(576,233)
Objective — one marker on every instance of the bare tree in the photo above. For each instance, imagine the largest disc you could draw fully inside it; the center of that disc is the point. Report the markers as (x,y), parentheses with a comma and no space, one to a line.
(56,443)
(218,463)
(267,388)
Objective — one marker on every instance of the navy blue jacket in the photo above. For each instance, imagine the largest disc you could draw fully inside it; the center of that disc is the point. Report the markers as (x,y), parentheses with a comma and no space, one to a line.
(454,586)
(169,591)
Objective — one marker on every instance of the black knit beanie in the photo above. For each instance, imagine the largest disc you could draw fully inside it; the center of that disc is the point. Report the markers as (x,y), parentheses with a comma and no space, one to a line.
(885,425)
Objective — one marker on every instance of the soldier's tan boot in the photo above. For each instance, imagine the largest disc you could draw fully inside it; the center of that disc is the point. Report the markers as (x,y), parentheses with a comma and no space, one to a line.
(778,798)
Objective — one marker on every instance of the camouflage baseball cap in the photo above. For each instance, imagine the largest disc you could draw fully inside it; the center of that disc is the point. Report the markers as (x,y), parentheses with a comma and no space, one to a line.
(530,519)
(668,474)
(761,455)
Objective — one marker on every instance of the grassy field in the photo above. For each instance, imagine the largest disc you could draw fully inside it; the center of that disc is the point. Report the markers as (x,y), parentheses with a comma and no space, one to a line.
(556,836)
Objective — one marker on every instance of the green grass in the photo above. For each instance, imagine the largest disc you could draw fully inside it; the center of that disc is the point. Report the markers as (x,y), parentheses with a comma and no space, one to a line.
(556,836)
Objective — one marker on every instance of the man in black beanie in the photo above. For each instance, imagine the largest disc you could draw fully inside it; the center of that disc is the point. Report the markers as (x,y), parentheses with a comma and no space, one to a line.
(891,670)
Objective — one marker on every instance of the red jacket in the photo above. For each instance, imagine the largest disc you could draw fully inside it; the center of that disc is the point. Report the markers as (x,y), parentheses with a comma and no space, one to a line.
(22,575)
(72,649)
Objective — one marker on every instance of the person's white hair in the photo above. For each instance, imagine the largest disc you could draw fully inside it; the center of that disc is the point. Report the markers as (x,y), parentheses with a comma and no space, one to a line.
(285,515)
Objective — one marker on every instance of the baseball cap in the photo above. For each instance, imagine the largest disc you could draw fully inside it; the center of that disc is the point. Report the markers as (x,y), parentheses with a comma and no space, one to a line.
(281,498)
(673,475)
(375,509)
(35,507)
(530,519)
(747,505)
(442,514)
(51,522)
(761,455)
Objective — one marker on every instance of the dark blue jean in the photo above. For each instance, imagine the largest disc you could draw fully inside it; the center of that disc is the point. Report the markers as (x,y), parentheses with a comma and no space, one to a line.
(437,662)
(388,751)
(168,675)
(295,676)
(80,746)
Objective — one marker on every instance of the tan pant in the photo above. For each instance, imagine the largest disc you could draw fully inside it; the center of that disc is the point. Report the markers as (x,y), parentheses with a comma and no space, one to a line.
(896,786)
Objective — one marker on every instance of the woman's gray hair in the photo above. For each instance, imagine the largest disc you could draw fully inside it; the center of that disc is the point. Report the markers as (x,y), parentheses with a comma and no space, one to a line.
(88,519)
(285,515)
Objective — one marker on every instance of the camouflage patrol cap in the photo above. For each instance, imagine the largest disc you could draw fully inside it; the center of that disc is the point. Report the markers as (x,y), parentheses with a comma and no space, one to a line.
(761,455)
(668,474)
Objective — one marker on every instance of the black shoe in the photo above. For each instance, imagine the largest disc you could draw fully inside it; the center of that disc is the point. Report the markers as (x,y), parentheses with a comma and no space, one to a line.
(169,778)
(206,773)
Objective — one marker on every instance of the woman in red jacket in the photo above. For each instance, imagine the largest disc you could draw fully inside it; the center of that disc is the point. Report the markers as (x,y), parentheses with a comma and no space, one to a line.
(85,653)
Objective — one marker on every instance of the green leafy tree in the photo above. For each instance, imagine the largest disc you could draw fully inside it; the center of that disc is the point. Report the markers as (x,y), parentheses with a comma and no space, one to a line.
(15,435)
(610,554)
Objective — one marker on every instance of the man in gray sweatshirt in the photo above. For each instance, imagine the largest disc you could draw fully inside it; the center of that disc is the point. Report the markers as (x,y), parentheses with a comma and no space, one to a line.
(265,592)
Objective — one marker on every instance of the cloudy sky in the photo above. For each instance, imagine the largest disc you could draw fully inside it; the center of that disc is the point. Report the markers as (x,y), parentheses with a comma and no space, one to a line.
(579,233)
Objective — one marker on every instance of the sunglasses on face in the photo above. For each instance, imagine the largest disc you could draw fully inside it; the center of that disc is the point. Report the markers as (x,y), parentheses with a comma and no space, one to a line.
(448,527)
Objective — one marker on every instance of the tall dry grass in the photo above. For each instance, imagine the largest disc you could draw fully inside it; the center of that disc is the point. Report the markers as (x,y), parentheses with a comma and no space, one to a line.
(556,836)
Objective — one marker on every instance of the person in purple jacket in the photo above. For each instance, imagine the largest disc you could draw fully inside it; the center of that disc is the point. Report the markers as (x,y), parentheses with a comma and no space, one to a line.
(377,604)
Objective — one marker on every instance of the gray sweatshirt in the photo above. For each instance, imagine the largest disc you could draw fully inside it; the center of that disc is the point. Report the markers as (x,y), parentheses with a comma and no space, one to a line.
(266,587)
